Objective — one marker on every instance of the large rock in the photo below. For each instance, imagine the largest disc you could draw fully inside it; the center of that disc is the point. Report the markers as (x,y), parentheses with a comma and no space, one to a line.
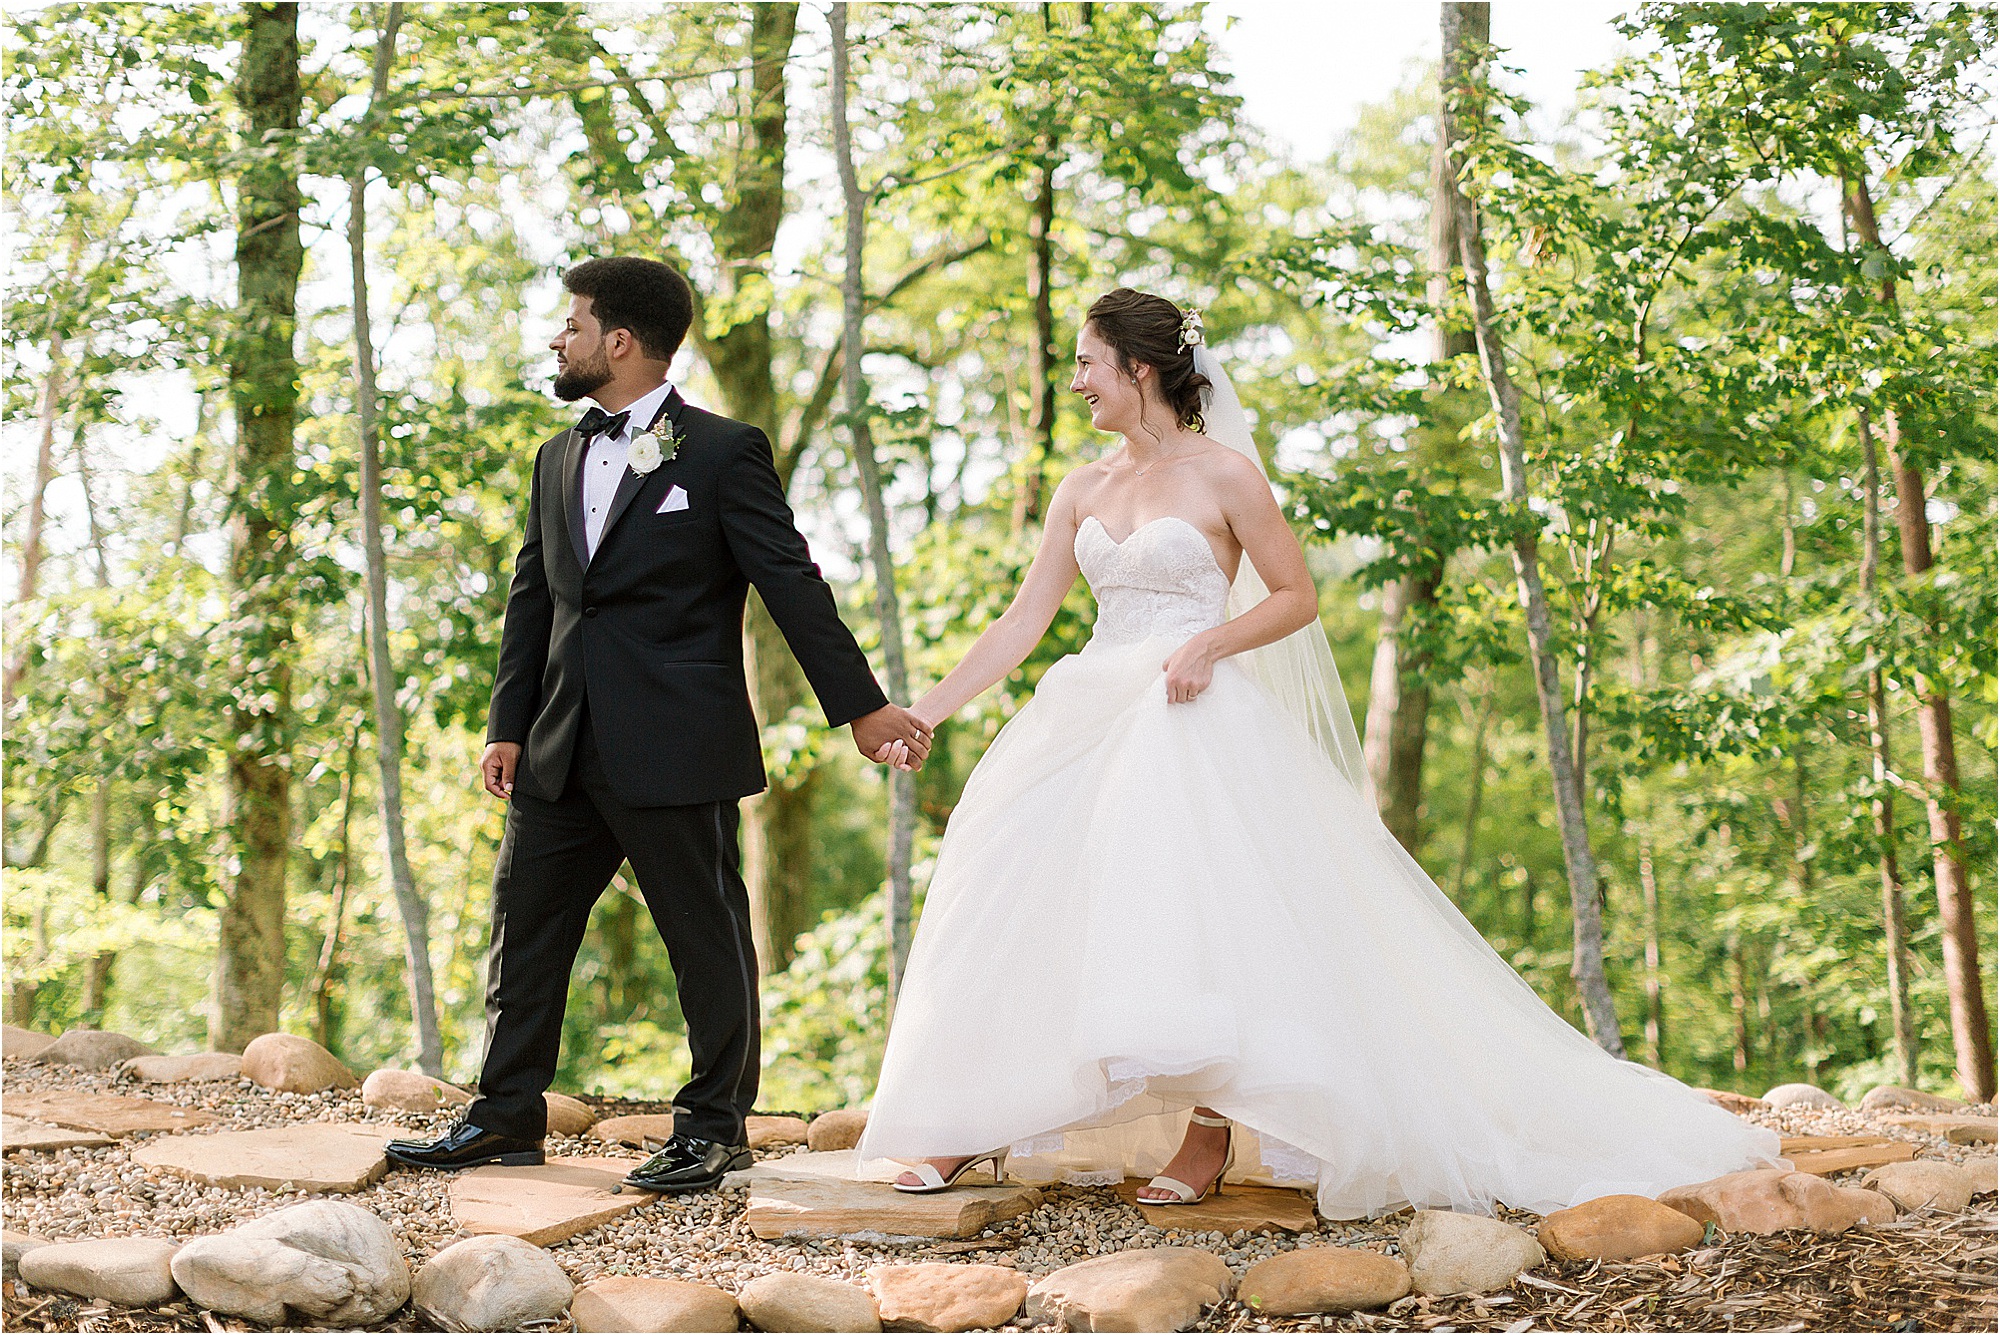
(313,1156)
(188,1066)
(1888,1098)
(629,1303)
(291,1064)
(766,1133)
(1322,1279)
(934,1296)
(1801,1096)
(1465,1253)
(133,1272)
(837,1130)
(568,1116)
(1235,1206)
(1734,1102)
(326,1262)
(491,1283)
(18,1133)
(546,1203)
(645,1131)
(790,1301)
(13,1246)
(1943,1186)
(1768,1200)
(109,1114)
(92,1050)
(1616,1228)
(1164,1288)
(410,1091)
(22,1043)
(1981,1171)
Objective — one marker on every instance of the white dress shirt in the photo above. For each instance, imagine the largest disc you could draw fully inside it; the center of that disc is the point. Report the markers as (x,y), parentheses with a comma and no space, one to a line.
(604,463)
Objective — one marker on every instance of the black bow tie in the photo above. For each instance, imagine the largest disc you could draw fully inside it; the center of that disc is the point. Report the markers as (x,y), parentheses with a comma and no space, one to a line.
(597,420)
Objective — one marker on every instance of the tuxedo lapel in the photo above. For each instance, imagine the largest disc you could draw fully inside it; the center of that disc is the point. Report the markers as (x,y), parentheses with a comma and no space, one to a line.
(572,494)
(630,484)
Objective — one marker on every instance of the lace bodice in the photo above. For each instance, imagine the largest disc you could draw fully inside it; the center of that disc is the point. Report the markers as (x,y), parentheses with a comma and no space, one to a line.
(1161,581)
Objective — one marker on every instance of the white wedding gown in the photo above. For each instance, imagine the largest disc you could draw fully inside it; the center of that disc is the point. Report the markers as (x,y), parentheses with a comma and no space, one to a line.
(1142,906)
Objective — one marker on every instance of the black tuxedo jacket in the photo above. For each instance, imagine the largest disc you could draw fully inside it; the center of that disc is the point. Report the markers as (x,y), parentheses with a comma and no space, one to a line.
(650,630)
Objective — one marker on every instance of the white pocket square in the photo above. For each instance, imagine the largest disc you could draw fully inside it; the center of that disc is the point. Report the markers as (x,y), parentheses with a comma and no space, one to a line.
(677,499)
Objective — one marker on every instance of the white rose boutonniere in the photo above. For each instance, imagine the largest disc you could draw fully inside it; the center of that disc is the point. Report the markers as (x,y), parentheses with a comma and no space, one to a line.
(652,447)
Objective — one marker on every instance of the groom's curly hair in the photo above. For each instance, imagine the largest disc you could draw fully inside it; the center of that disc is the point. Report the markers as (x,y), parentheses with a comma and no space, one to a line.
(1142,327)
(647,297)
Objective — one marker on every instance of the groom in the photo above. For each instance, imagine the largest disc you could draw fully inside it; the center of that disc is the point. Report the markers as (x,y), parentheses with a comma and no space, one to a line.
(621,726)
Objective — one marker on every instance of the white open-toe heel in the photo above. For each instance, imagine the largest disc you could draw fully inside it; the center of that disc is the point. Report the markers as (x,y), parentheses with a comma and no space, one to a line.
(1185,1194)
(929,1179)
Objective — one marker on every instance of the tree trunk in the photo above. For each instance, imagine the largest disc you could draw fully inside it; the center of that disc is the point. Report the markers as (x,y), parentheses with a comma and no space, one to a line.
(1042,356)
(263,380)
(902,784)
(1656,1019)
(1895,921)
(1587,960)
(32,536)
(327,972)
(1399,706)
(1475,791)
(1971,1031)
(1396,731)
(410,903)
(778,845)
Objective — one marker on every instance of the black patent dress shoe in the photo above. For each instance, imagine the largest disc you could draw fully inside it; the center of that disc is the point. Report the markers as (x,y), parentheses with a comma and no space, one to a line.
(689,1163)
(465,1146)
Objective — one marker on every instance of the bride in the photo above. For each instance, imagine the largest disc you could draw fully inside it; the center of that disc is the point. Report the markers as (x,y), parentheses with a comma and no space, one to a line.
(1168,933)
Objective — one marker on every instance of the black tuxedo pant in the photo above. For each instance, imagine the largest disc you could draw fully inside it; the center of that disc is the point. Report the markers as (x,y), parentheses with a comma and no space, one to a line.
(556,858)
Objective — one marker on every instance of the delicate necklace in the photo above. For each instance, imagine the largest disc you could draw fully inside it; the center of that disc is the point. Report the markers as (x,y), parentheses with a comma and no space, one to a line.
(1141,472)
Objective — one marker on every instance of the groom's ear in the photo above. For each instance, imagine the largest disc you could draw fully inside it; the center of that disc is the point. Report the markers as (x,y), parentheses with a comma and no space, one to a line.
(619,342)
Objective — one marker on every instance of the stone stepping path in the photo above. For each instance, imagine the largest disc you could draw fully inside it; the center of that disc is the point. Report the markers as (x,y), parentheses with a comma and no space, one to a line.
(113,1115)
(18,1133)
(1234,1207)
(547,1203)
(317,1156)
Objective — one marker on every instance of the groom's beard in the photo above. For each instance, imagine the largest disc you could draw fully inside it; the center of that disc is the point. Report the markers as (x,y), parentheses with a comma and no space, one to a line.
(578,379)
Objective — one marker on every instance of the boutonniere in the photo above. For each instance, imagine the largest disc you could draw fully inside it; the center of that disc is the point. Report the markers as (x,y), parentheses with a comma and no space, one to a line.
(654,446)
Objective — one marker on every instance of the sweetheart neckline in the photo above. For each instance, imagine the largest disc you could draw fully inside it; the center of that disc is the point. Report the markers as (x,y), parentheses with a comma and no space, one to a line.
(1158,519)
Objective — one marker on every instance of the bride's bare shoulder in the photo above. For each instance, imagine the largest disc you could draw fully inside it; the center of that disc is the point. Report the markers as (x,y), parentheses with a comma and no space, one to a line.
(1226,464)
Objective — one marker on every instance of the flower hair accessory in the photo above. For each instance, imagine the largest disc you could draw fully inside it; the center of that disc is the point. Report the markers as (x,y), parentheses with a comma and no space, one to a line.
(1191,329)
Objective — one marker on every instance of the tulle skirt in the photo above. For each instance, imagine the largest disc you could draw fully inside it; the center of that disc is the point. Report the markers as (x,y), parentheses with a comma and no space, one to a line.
(1139,907)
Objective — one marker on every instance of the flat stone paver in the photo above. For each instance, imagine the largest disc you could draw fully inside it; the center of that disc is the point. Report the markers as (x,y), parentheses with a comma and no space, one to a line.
(1790,1145)
(830,1208)
(314,1156)
(1957,1129)
(1821,1163)
(18,1133)
(1257,1209)
(546,1203)
(112,1114)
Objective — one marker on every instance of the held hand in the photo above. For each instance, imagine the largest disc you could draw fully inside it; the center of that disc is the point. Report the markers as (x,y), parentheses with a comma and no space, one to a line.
(876,734)
(496,768)
(1189,671)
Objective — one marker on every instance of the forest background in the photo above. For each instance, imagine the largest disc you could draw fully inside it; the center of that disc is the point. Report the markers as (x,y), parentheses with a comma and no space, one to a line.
(1645,461)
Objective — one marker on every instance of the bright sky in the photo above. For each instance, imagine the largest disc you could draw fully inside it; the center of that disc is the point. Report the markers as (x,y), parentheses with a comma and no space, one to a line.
(1305,67)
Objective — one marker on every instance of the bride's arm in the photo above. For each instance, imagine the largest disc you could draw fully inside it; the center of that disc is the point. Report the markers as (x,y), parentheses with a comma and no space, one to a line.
(1020,628)
(1270,546)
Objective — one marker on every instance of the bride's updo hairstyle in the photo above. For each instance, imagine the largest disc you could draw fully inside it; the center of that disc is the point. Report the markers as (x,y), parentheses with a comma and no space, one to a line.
(1141,327)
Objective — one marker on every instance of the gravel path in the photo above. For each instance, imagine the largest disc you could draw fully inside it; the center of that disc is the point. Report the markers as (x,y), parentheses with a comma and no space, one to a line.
(71,1194)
